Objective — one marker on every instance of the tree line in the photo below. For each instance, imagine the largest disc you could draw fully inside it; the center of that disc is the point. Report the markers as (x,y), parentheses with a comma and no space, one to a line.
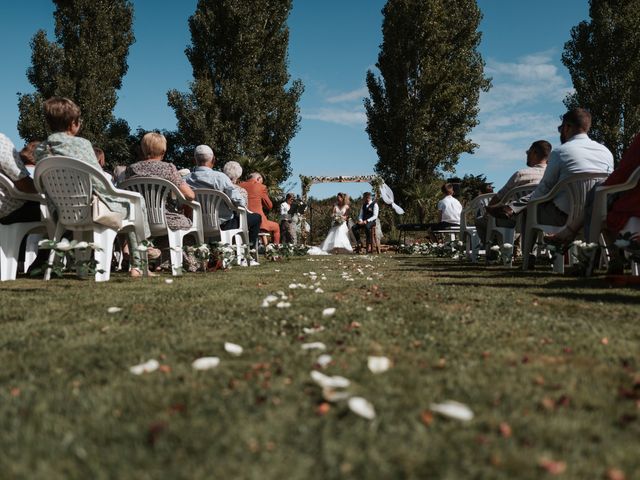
(423,97)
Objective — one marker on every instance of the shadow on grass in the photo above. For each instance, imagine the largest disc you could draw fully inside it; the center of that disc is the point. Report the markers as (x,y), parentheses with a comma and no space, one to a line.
(608,297)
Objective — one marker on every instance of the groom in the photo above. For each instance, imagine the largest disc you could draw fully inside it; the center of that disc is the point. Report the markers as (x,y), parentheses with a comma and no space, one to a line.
(366,219)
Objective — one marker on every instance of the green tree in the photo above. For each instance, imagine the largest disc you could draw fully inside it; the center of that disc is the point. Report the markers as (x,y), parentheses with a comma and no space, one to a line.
(603,58)
(425,101)
(241,101)
(86,63)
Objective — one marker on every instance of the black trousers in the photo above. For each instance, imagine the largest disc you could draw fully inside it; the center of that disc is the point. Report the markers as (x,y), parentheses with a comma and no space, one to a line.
(253,224)
(29,212)
(367,231)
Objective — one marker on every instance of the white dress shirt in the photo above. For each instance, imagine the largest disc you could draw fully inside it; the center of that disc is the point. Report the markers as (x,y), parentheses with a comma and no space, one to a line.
(450,209)
(579,154)
(373,217)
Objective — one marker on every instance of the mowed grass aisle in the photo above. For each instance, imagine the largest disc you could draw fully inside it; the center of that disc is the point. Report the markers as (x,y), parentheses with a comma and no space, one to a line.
(549,365)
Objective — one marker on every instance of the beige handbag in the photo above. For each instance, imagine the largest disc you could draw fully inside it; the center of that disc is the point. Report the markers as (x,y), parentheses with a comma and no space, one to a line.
(104,216)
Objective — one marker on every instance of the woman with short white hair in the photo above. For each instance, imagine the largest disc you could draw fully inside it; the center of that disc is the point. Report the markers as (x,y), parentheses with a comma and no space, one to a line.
(233,170)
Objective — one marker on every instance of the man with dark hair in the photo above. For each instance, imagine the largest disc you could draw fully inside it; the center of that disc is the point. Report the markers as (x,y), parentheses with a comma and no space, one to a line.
(366,219)
(537,156)
(577,154)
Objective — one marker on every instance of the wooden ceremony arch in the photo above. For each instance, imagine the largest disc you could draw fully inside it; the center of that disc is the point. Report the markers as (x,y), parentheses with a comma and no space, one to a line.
(306,182)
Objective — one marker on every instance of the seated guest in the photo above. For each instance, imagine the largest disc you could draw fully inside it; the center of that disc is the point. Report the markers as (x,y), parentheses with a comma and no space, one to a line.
(102,161)
(366,219)
(63,117)
(154,146)
(624,211)
(287,225)
(450,209)
(577,154)
(259,197)
(203,176)
(27,155)
(11,165)
(233,170)
(537,157)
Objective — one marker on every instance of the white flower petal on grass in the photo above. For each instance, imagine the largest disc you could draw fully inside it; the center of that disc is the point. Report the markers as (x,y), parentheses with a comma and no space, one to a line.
(369,309)
(325,381)
(114,309)
(146,367)
(324,360)
(314,346)
(168,281)
(293,285)
(277,270)
(205,363)
(233,349)
(452,409)
(327,312)
(268,300)
(309,331)
(283,305)
(332,395)
(319,290)
(378,364)
(362,407)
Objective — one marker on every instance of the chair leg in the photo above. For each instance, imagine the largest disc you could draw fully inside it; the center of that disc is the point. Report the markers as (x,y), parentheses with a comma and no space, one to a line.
(105,238)
(529,241)
(175,249)
(9,248)
(31,250)
(57,235)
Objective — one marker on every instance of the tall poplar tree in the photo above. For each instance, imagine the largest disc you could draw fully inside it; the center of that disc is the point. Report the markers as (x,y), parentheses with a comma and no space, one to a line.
(86,63)
(603,58)
(425,101)
(241,101)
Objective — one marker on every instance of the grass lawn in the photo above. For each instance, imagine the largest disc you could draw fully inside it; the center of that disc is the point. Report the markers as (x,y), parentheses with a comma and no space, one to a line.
(550,366)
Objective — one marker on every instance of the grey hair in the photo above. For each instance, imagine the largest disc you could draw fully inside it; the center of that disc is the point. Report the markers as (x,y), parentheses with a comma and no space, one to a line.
(256,175)
(233,170)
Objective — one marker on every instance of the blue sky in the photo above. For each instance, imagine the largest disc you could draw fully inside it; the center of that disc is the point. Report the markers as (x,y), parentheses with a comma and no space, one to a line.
(332,44)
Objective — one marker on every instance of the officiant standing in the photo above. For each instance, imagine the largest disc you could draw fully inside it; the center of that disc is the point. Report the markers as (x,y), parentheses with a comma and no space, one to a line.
(366,219)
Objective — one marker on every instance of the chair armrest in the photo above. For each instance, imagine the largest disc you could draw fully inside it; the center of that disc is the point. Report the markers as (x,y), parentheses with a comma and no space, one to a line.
(197,212)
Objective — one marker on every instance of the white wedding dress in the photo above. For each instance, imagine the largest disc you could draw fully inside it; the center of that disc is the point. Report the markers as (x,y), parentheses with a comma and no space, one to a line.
(337,238)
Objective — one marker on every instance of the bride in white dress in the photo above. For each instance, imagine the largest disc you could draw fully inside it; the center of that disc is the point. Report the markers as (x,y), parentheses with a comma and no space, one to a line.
(337,240)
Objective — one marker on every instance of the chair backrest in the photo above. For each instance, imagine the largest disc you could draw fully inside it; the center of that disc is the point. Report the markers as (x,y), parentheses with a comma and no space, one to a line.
(577,187)
(155,192)
(475,208)
(518,192)
(211,200)
(67,183)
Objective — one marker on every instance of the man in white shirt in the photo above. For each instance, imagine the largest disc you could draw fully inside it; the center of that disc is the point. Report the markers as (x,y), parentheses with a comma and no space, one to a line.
(366,219)
(577,154)
(450,209)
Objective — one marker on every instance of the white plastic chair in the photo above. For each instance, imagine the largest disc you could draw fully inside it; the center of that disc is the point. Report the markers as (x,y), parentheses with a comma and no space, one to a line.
(211,201)
(155,191)
(11,235)
(507,234)
(599,213)
(468,233)
(577,186)
(68,184)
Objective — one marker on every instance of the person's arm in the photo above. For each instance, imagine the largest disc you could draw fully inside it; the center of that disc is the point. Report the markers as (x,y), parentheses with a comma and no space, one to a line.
(265,198)
(629,162)
(178,181)
(26,185)
(511,183)
(376,211)
(440,208)
(233,193)
(548,181)
(185,189)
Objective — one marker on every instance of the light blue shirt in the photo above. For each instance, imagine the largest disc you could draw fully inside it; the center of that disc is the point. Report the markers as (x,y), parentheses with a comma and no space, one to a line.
(205,177)
(579,154)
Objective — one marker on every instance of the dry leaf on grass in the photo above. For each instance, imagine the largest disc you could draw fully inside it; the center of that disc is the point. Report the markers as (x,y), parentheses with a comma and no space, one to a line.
(426,417)
(505,430)
(615,474)
(552,467)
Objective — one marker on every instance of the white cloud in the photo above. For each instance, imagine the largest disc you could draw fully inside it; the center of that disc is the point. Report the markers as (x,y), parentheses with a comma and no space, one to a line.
(353,95)
(517,111)
(340,116)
